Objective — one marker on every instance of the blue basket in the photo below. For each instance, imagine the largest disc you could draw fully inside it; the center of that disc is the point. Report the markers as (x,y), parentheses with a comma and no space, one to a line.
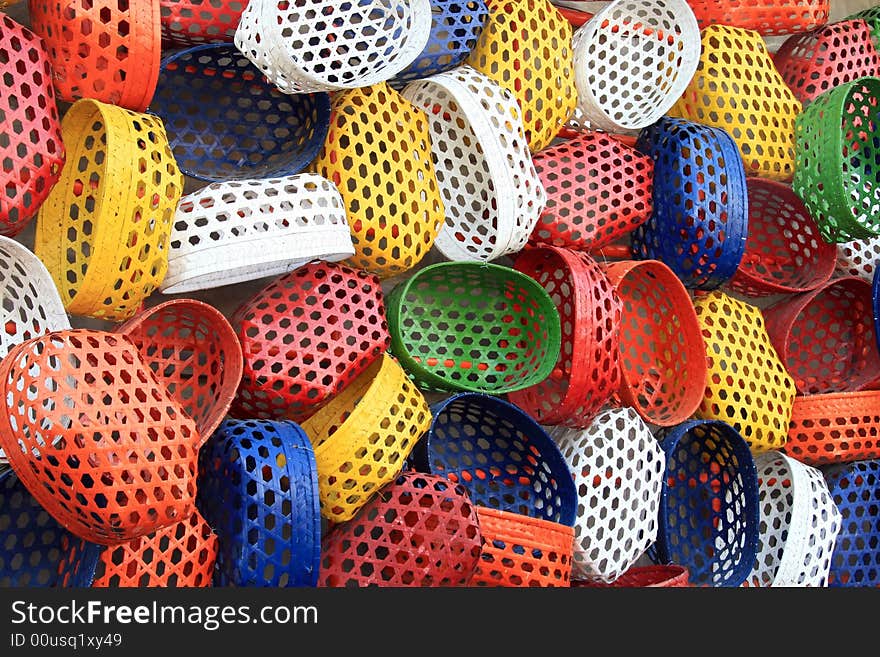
(225,121)
(258,489)
(700,214)
(716,538)
(855,488)
(504,459)
(79,562)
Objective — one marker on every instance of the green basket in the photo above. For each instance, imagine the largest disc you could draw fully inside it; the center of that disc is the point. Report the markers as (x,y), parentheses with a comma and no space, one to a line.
(473,327)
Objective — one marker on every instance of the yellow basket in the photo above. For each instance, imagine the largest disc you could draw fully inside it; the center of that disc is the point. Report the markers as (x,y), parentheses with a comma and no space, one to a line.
(737,88)
(747,385)
(363,436)
(525,47)
(103,231)
(393,200)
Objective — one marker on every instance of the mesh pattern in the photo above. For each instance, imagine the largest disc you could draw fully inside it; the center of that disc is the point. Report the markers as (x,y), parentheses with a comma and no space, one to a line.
(859,257)
(700,219)
(188,23)
(747,385)
(236,231)
(597,191)
(363,436)
(662,358)
(838,161)
(799,524)
(227,122)
(586,373)
(871,16)
(305,337)
(767,17)
(479,328)
(617,467)
(107,50)
(420,530)
(393,202)
(491,192)
(784,253)
(737,88)
(525,47)
(99,444)
(815,62)
(856,491)
(504,459)
(826,337)
(708,519)
(258,490)
(669,576)
(633,60)
(103,231)
(31,150)
(350,44)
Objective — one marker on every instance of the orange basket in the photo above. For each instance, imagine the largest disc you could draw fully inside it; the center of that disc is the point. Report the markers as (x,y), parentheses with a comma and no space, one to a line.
(767,17)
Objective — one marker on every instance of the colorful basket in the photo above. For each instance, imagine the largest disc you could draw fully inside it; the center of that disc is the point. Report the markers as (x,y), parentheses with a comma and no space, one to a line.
(258,489)
(226,122)
(598,190)
(768,17)
(662,358)
(700,219)
(871,16)
(237,231)
(31,150)
(363,436)
(859,257)
(459,326)
(305,337)
(738,89)
(618,468)
(103,231)
(586,373)
(187,23)
(669,576)
(838,161)
(784,253)
(491,192)
(709,515)
(799,524)
(420,530)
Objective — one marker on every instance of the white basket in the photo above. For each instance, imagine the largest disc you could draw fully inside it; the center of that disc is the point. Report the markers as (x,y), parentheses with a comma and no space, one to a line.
(326,45)
(799,524)
(491,191)
(626,79)
(859,257)
(236,231)
(618,469)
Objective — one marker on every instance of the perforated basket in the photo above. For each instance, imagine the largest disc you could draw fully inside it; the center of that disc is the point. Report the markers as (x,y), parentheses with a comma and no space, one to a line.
(768,17)
(826,337)
(859,257)
(302,47)
(784,252)
(420,530)
(31,150)
(363,436)
(662,359)
(598,190)
(668,576)
(633,60)
(838,161)
(586,373)
(193,351)
(237,231)
(480,328)
(700,219)
(525,47)
(491,193)
(227,122)
(393,202)
(258,489)
(747,384)
(799,524)
(737,88)
(617,466)
(305,337)
(871,16)
(103,231)
(708,520)
(855,489)
(188,23)
(107,50)
(96,440)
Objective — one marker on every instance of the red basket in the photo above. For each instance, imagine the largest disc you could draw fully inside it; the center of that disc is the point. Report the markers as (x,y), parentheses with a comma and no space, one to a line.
(670,576)
(188,23)
(835,428)
(767,17)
